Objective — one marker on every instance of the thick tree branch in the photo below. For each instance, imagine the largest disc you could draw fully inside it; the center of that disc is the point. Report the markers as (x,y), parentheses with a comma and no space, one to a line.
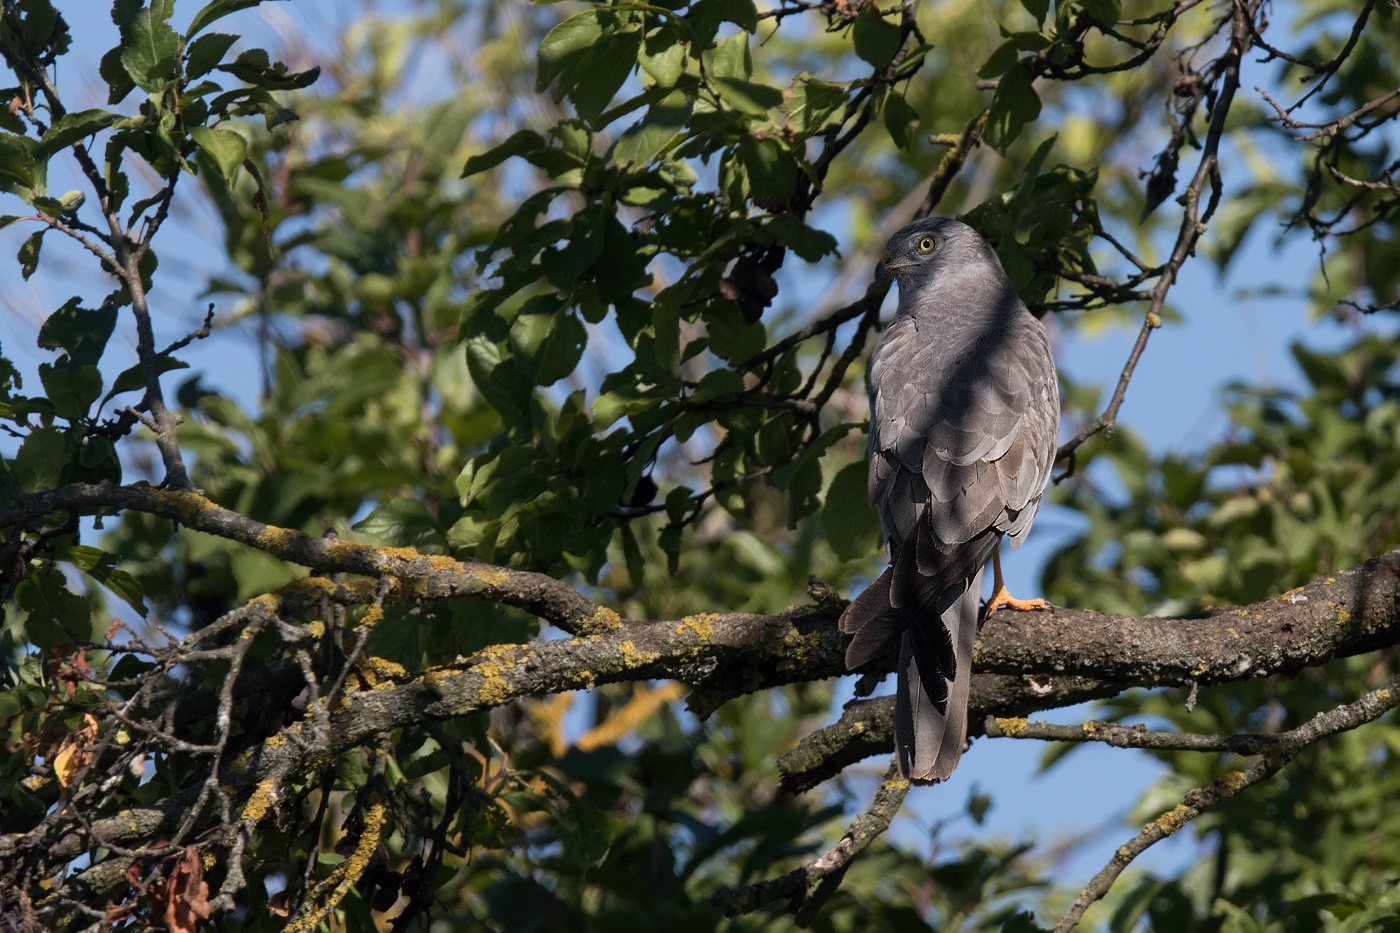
(434,576)
(1341,614)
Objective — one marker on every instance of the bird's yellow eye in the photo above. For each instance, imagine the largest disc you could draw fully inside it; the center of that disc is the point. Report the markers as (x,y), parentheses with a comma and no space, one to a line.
(926,244)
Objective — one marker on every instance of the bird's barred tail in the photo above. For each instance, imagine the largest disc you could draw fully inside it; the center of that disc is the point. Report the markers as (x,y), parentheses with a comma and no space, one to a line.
(935,637)
(930,708)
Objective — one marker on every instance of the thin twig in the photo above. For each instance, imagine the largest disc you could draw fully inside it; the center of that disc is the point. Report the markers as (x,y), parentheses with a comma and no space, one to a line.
(808,887)
(1193,225)
(1285,747)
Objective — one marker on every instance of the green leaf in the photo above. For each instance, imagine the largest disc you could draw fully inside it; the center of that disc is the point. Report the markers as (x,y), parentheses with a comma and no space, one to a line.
(590,55)
(662,57)
(206,52)
(134,378)
(901,120)
(71,387)
(731,59)
(102,566)
(851,524)
(74,127)
(771,167)
(1105,11)
(111,70)
(19,167)
(1000,61)
(807,242)
(520,143)
(255,68)
(565,263)
(749,96)
(654,134)
(225,148)
(1037,9)
(41,28)
(40,460)
(499,379)
(97,462)
(80,332)
(56,615)
(149,45)
(217,10)
(1014,105)
(559,354)
(563,44)
(28,254)
(812,106)
(741,13)
(877,40)
(403,522)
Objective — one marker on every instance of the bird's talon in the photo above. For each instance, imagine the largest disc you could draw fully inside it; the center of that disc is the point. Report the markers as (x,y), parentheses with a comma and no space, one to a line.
(1002,599)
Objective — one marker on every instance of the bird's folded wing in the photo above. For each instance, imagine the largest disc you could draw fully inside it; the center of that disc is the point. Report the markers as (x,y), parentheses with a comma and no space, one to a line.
(965,433)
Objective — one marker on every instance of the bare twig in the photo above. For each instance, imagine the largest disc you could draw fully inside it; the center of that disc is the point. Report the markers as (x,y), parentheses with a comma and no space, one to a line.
(808,887)
(1193,223)
(1280,751)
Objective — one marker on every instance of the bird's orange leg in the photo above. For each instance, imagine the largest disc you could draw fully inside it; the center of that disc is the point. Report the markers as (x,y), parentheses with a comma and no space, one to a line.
(1001,596)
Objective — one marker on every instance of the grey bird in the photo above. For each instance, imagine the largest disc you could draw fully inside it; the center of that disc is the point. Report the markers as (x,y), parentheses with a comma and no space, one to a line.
(964,418)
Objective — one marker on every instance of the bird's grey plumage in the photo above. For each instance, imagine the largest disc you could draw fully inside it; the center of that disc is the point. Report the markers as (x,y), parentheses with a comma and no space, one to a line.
(963,426)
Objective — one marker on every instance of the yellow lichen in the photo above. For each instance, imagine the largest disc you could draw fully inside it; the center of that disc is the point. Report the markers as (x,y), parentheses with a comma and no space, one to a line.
(275,540)
(1232,780)
(270,603)
(1171,821)
(373,615)
(702,625)
(381,668)
(344,876)
(439,679)
(497,578)
(492,664)
(349,550)
(1011,726)
(260,801)
(187,506)
(605,618)
(635,657)
(308,587)
(317,628)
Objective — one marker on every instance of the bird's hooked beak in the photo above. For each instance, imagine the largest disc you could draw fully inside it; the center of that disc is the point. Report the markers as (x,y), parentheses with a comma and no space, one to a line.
(883,272)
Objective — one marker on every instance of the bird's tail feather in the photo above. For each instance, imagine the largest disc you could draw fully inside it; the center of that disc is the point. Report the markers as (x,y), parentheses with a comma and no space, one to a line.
(874,627)
(934,682)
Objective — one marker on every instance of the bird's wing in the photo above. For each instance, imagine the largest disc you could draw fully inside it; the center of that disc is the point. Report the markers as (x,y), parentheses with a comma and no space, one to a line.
(962,439)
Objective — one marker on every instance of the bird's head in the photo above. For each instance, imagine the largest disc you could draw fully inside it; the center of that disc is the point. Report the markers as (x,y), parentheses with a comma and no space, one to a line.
(920,250)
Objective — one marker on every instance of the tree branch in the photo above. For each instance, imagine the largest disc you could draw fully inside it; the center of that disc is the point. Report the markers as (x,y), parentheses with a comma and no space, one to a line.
(1284,748)
(1193,224)
(1338,615)
(435,576)
(807,888)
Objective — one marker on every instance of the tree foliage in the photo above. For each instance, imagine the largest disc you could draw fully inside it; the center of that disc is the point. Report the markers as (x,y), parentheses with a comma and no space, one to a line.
(555,410)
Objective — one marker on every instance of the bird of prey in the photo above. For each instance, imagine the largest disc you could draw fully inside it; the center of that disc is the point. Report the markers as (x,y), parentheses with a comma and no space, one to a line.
(964,417)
